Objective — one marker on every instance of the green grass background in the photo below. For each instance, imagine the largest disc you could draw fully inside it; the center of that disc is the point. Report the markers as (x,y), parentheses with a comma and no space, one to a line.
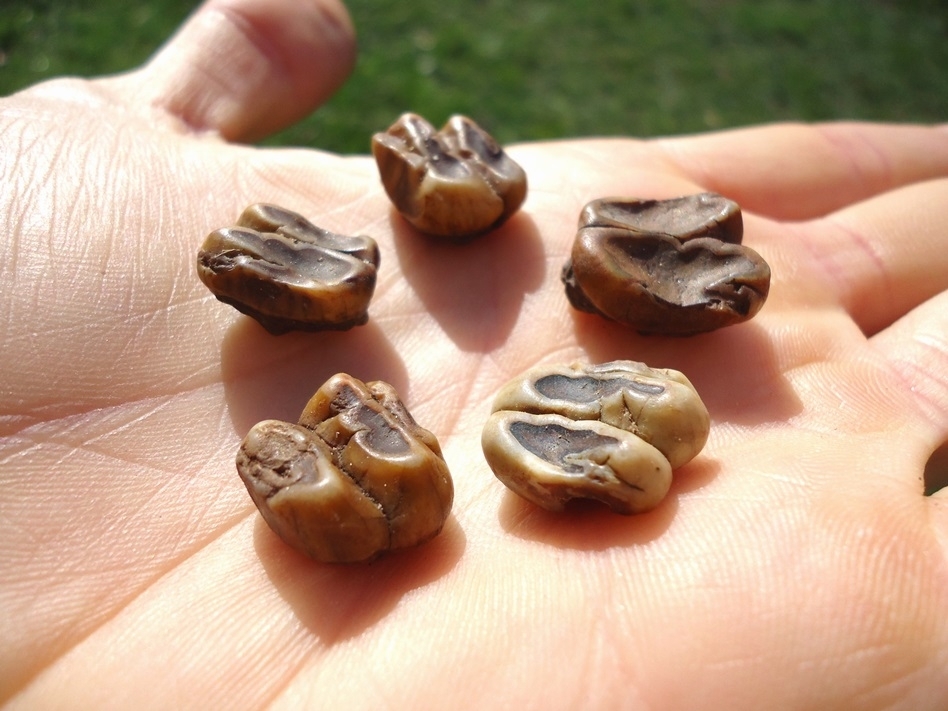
(529,69)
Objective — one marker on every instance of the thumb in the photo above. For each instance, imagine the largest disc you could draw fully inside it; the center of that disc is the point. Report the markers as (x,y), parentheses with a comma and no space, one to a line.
(247,68)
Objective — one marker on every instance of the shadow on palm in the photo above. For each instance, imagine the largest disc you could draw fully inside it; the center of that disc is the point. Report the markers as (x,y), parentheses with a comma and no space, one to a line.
(273,377)
(475,290)
(735,369)
(590,526)
(337,602)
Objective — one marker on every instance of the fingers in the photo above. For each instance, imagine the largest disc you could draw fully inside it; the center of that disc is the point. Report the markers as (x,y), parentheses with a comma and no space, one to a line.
(247,68)
(882,257)
(799,172)
(917,347)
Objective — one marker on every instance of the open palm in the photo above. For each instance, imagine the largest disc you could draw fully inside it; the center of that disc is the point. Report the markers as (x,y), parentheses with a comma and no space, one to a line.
(795,563)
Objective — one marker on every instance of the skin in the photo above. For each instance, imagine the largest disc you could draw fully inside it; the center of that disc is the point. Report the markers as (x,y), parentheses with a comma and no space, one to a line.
(795,564)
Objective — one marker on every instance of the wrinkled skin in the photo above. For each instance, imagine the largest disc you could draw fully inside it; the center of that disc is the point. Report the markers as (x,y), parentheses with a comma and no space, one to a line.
(795,562)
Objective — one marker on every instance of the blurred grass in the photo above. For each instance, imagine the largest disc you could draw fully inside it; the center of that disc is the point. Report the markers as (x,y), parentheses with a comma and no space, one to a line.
(529,69)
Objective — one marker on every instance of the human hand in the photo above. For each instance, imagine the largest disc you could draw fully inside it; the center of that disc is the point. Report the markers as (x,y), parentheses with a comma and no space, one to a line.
(794,564)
